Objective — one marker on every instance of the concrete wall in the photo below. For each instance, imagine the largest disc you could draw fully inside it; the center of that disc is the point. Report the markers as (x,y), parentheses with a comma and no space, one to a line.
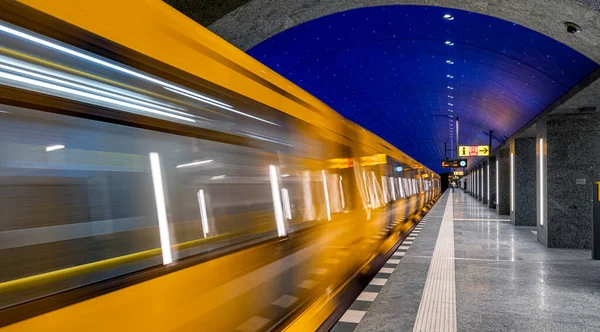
(525,202)
(573,156)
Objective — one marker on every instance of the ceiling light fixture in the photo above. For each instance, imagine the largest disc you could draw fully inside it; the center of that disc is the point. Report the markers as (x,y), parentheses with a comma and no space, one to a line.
(449,43)
(449,87)
(54,147)
(195,163)
(448,17)
(449,62)
(449,76)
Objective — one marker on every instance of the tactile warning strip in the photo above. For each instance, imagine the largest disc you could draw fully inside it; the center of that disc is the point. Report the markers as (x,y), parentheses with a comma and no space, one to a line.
(437,310)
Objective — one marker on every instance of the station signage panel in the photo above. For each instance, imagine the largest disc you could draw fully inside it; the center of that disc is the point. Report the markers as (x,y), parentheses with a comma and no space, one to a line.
(459,173)
(473,150)
(454,163)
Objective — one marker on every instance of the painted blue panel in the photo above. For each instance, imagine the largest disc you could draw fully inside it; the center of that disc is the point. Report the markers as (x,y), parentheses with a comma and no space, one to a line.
(391,70)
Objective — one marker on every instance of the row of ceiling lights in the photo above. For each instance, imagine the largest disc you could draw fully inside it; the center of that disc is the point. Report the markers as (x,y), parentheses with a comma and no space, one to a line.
(449,17)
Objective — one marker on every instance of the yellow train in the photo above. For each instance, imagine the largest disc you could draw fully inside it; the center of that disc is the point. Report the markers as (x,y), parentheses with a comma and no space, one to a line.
(153,177)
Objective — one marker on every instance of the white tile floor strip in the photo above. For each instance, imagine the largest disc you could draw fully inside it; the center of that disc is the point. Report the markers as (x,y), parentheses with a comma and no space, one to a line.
(437,311)
(307,284)
(411,238)
(367,296)
(398,254)
(408,243)
(403,247)
(378,282)
(285,301)
(352,316)
(393,261)
(255,323)
(386,270)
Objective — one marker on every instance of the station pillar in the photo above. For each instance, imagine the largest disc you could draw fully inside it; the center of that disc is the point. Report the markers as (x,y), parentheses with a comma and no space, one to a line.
(572,156)
(492,170)
(524,182)
(503,180)
(479,182)
(484,182)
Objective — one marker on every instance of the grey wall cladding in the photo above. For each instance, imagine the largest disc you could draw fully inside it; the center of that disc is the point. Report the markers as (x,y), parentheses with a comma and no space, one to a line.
(525,181)
(573,153)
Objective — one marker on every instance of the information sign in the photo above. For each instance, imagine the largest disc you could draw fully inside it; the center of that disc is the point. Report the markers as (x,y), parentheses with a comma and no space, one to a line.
(454,163)
(473,150)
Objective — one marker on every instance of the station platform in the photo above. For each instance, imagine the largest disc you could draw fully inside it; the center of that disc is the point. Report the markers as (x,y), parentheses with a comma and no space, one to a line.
(464,268)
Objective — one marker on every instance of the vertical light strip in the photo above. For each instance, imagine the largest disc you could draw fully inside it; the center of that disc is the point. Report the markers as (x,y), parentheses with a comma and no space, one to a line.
(541,181)
(342,193)
(488,182)
(384,189)
(326,195)
(481,171)
(393,186)
(286,204)
(376,200)
(497,184)
(512,181)
(277,201)
(364,174)
(161,208)
(203,215)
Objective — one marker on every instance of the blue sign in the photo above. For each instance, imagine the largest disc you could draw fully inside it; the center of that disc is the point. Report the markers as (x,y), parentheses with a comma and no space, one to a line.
(398,169)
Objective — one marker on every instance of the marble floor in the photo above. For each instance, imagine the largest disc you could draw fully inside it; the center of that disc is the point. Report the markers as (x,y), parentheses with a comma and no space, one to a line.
(504,280)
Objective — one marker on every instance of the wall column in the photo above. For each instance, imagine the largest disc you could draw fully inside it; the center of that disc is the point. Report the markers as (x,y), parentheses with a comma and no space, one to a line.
(492,165)
(524,209)
(484,186)
(572,159)
(503,202)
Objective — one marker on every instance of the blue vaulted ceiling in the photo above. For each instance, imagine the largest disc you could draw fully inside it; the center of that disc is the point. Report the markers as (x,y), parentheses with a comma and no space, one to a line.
(404,72)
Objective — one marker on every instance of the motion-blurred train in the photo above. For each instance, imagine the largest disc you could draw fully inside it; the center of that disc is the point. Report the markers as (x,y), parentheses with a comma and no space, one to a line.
(153,177)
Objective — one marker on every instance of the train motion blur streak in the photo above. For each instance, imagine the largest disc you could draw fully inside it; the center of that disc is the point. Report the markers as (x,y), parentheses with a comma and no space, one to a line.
(136,195)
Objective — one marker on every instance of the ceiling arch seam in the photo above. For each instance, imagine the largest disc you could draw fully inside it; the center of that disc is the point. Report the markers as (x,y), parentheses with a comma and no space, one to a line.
(258,20)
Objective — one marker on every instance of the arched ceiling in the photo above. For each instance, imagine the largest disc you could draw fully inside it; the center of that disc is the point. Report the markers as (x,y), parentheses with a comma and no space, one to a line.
(404,72)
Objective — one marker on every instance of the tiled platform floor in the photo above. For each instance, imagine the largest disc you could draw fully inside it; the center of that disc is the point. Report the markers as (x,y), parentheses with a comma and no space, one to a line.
(504,279)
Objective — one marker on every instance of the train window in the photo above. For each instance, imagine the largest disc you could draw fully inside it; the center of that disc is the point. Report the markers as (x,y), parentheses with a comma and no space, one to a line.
(78,196)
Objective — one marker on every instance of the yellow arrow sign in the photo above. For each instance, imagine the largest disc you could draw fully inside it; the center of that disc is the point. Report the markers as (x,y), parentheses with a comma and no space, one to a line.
(473,150)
